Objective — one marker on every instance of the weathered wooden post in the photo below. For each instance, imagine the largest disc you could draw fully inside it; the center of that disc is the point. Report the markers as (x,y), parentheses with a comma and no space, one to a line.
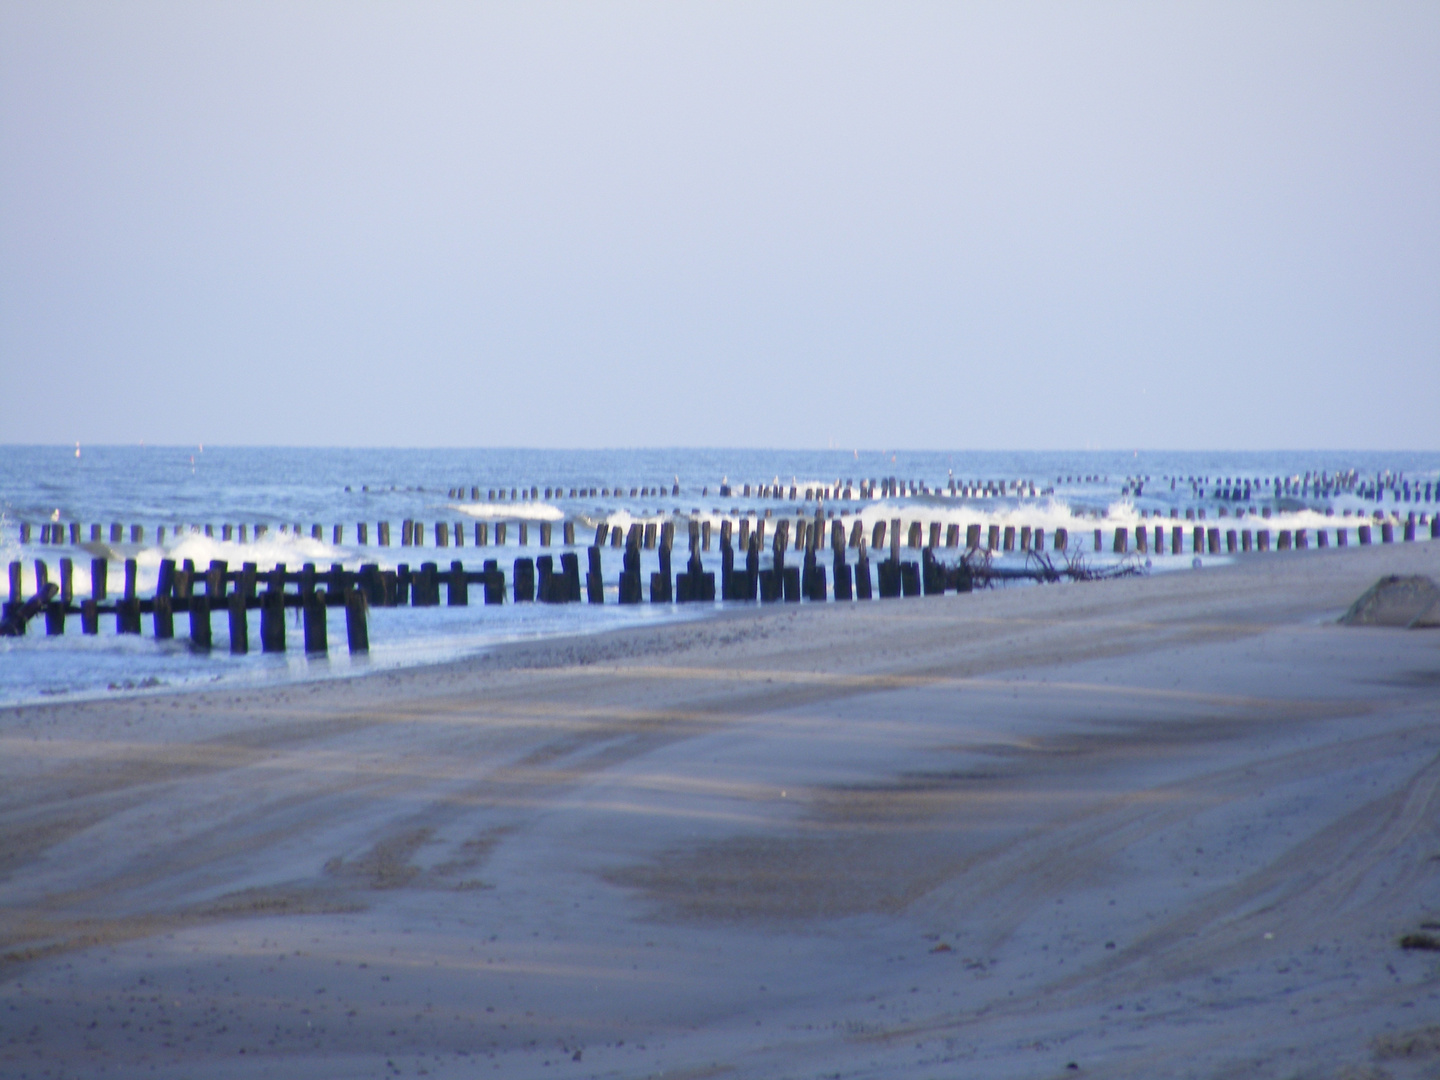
(1284,541)
(1121,544)
(877,535)
(1363,532)
(570,576)
(1342,537)
(594,579)
(163,617)
(272,611)
(199,621)
(1231,545)
(567,533)
(544,534)
(54,617)
(1062,539)
(362,534)
(316,636)
(457,594)
(524,581)
(1262,540)
(494,583)
(239,625)
(357,632)
(67,580)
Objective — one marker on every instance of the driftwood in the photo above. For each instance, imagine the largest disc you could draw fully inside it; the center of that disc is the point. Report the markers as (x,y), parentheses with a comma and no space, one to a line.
(13,625)
(1041,567)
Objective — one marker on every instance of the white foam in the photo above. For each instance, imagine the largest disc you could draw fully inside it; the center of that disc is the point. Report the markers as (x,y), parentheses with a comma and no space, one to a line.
(510,511)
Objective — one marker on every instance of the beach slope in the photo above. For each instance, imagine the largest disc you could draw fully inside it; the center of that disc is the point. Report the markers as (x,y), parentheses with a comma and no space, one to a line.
(1185,825)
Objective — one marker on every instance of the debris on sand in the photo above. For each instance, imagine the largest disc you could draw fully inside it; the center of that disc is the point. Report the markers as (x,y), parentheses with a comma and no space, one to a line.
(1411,602)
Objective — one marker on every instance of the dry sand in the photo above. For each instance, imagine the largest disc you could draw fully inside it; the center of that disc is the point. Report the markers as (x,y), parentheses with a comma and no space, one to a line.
(1148,828)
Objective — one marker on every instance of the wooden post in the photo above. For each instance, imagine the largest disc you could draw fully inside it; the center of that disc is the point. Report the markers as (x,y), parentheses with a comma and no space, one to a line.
(162,617)
(1364,534)
(55,618)
(524,581)
(545,534)
(337,534)
(199,621)
(239,625)
(357,632)
(1122,541)
(523,529)
(458,593)
(567,533)
(494,583)
(442,534)
(1009,542)
(316,642)
(67,580)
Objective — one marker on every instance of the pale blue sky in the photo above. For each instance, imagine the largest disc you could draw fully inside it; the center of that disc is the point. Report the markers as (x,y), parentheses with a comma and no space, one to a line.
(587,224)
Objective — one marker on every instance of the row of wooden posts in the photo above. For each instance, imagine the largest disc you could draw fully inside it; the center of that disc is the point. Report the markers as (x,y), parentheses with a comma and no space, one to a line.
(201,594)
(1006,538)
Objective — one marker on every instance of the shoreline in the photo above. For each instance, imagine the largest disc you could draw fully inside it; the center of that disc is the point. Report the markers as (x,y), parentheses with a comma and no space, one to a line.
(1126,824)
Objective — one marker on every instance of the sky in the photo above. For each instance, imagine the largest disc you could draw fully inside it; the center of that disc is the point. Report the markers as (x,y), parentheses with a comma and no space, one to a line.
(929,226)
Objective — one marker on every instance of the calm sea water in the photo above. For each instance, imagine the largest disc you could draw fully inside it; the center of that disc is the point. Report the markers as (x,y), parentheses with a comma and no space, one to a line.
(186,488)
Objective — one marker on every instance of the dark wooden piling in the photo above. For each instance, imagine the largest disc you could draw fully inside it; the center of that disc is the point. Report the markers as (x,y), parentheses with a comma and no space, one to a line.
(316,636)
(200,621)
(442,534)
(1387,532)
(630,585)
(89,617)
(382,533)
(1212,541)
(524,581)
(67,580)
(55,618)
(567,533)
(1062,539)
(131,572)
(272,621)
(570,576)
(357,631)
(162,617)
(239,625)
(1230,541)
(362,533)
(337,534)
(594,578)
(1177,540)
(1121,543)
(1262,540)
(116,532)
(457,592)
(494,583)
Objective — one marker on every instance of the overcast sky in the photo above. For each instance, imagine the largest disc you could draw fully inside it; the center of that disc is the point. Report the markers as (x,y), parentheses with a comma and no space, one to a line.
(1005,225)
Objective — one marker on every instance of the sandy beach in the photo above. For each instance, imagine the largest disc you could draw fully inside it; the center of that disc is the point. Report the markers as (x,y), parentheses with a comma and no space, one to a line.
(1163,827)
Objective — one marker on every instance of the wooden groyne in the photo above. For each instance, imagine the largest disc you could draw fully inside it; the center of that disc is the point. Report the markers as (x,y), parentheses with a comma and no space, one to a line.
(799,570)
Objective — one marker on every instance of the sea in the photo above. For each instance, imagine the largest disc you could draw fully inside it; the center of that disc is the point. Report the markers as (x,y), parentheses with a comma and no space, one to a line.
(192,492)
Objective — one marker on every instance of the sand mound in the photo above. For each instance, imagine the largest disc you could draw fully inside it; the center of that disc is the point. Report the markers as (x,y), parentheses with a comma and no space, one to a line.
(1397,601)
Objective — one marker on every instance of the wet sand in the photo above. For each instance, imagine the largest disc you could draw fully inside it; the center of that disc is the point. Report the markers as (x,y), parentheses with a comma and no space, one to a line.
(1172,826)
